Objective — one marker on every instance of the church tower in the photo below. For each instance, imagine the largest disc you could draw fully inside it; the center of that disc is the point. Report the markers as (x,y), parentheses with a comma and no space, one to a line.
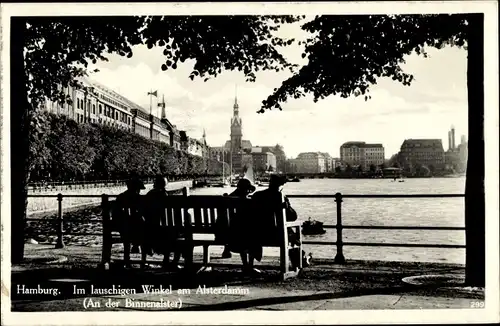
(236,128)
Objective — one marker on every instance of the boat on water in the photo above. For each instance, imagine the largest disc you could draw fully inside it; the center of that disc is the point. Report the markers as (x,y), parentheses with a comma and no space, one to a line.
(263,182)
(312,227)
(219,184)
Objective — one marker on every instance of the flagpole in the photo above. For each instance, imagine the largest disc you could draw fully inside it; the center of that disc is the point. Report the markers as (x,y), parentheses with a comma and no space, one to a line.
(151,102)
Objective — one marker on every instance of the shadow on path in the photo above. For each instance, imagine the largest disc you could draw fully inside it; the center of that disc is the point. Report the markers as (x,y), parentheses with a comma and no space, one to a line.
(292,299)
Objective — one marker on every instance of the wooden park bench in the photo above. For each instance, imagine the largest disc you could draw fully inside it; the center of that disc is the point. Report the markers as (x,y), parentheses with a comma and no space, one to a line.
(203,221)
(112,226)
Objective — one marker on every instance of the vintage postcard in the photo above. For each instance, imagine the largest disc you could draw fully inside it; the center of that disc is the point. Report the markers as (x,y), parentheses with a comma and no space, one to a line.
(249,163)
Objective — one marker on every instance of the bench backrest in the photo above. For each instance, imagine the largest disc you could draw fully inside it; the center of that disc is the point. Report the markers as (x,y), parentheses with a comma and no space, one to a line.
(202,214)
(129,210)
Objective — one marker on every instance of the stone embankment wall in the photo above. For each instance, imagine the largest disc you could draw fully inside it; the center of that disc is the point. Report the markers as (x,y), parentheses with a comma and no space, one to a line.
(47,204)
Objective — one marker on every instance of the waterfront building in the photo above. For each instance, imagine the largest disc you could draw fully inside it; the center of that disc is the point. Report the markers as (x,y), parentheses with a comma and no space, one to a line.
(175,137)
(277,151)
(140,122)
(193,146)
(184,141)
(247,161)
(337,162)
(329,162)
(107,107)
(357,153)
(96,103)
(415,153)
(452,159)
(309,162)
(463,156)
(463,140)
(456,157)
(220,153)
(263,160)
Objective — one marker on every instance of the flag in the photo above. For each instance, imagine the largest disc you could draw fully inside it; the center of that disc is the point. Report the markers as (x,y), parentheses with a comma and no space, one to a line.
(155,93)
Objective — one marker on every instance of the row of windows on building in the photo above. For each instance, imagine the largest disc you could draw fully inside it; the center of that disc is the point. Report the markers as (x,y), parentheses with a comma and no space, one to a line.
(81,118)
(99,113)
(106,110)
(118,104)
(357,149)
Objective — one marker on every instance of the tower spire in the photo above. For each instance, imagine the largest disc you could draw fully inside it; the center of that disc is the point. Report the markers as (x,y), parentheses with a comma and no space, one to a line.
(235,94)
(235,106)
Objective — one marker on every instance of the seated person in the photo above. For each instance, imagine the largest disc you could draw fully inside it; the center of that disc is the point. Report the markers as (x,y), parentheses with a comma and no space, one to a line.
(155,241)
(270,201)
(240,239)
(128,213)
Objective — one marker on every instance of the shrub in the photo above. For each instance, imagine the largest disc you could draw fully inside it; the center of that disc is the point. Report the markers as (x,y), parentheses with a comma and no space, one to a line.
(63,150)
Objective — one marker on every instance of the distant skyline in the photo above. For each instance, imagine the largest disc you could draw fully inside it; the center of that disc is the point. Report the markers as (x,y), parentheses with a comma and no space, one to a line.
(436,100)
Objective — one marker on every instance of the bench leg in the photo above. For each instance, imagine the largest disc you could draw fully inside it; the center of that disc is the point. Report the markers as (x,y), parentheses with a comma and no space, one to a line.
(284,260)
(206,254)
(299,236)
(144,257)
(126,253)
(106,250)
(188,257)
(206,260)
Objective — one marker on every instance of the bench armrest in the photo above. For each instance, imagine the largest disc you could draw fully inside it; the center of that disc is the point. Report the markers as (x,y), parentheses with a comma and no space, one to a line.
(293,223)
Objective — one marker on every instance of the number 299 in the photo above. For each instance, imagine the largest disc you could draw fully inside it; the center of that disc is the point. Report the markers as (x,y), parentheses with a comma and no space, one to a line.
(477,304)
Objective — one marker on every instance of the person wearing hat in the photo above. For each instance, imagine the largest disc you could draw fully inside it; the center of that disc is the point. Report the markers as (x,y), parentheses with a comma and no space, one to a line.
(243,189)
(269,201)
(155,239)
(130,201)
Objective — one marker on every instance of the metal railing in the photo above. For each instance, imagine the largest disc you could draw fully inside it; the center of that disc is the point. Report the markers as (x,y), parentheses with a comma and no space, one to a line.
(339,198)
(70,185)
(339,226)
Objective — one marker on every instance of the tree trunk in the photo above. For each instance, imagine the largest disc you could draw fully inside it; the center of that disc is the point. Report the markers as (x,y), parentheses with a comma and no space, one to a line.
(474,184)
(19,119)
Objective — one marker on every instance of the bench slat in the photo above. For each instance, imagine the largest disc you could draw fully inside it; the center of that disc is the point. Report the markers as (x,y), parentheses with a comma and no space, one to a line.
(178,217)
(197,217)
(169,217)
(213,216)
(206,217)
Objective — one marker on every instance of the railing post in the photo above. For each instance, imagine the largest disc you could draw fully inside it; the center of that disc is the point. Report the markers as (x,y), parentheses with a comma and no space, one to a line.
(60,226)
(339,257)
(106,230)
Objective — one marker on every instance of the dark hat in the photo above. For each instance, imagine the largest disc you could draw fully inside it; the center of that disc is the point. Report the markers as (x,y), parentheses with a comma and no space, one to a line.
(277,180)
(245,184)
(160,182)
(135,183)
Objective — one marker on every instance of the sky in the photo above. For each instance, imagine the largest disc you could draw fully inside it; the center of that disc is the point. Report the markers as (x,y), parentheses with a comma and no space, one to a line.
(436,100)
